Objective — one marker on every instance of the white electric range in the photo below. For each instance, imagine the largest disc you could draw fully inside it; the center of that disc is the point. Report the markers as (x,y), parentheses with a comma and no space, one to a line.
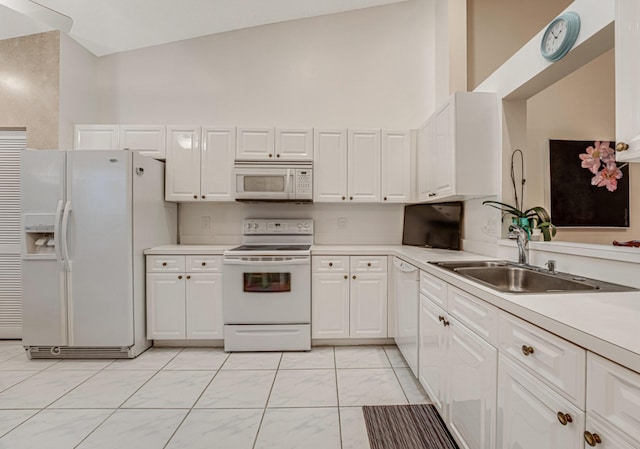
(267,287)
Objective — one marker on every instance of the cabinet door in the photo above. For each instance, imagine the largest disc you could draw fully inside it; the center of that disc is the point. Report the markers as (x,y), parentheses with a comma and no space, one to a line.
(182,175)
(216,166)
(627,57)
(255,144)
(330,166)
(150,140)
(165,306)
(364,165)
(432,353)
(96,137)
(609,436)
(444,173)
(396,166)
(294,144)
(528,413)
(425,163)
(330,305)
(368,316)
(204,305)
(473,376)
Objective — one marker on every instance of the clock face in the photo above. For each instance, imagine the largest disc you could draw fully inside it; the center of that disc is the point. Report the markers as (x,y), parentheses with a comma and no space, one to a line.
(560,36)
(555,36)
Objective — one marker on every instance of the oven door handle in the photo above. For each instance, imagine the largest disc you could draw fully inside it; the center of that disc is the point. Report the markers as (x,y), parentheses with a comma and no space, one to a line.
(304,261)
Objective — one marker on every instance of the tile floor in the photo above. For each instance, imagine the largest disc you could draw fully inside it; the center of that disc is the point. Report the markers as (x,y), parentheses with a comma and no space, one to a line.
(200,398)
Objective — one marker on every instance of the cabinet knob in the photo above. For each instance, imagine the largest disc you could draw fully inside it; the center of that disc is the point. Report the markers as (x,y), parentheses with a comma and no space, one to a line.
(164,264)
(270,155)
(203,196)
(440,318)
(385,198)
(277,155)
(195,196)
(188,277)
(526,350)
(350,198)
(330,264)
(446,323)
(179,277)
(592,438)
(354,276)
(432,194)
(204,264)
(346,277)
(621,146)
(343,198)
(564,418)
(368,264)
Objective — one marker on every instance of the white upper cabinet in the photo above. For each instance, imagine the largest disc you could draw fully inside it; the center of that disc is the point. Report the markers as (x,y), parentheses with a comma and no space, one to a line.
(216,165)
(459,149)
(255,144)
(364,162)
(627,54)
(182,175)
(330,165)
(396,166)
(150,140)
(294,144)
(96,137)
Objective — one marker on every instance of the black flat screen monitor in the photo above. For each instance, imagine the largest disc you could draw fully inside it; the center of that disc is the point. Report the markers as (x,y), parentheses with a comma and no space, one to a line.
(436,225)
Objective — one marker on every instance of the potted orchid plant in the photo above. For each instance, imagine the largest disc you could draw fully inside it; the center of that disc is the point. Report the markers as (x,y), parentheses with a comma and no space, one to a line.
(536,217)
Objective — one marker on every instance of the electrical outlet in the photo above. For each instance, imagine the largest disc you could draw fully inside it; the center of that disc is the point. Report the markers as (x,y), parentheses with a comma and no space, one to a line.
(342,222)
(205,222)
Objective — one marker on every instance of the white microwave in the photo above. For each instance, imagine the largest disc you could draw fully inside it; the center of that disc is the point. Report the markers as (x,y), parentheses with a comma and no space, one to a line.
(274,182)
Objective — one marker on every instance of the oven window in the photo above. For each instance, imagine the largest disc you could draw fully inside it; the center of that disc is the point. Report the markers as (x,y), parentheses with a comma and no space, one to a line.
(263,183)
(267,282)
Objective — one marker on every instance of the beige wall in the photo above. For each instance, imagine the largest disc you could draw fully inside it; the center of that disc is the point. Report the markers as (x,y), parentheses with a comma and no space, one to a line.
(496,29)
(580,106)
(29,87)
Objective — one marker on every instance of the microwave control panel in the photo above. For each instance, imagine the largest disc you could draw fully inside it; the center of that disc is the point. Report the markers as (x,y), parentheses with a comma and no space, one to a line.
(304,182)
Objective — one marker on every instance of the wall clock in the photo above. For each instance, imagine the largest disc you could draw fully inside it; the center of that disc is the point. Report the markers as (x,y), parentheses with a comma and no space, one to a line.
(560,36)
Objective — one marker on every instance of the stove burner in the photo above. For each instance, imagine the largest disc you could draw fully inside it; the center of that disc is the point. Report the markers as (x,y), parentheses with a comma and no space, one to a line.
(272,248)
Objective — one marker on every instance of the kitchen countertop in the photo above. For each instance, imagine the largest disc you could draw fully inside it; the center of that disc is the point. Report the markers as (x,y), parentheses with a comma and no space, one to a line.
(605,323)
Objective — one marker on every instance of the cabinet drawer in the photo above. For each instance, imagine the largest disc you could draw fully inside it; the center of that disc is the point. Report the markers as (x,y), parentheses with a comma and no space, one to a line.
(561,363)
(160,264)
(368,264)
(337,264)
(434,289)
(204,263)
(613,394)
(479,316)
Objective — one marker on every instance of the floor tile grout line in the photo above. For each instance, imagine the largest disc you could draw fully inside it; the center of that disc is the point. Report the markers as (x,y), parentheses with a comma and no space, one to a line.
(335,370)
(215,374)
(21,423)
(266,404)
(113,411)
(396,375)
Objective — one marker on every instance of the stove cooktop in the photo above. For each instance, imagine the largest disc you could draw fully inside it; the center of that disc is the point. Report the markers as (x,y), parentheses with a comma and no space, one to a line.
(250,248)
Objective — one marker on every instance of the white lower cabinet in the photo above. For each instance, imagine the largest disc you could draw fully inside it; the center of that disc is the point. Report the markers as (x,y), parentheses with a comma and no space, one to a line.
(349,297)
(184,304)
(532,415)
(458,367)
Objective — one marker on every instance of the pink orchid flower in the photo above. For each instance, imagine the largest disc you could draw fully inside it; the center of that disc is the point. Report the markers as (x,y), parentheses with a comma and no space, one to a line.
(608,177)
(599,152)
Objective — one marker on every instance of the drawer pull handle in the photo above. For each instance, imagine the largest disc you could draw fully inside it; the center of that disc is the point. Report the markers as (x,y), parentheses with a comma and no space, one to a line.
(440,318)
(564,418)
(446,323)
(188,277)
(164,264)
(179,277)
(330,264)
(526,350)
(204,264)
(592,438)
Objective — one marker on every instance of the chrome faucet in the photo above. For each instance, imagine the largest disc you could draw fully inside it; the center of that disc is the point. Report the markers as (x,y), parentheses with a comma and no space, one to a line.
(519,234)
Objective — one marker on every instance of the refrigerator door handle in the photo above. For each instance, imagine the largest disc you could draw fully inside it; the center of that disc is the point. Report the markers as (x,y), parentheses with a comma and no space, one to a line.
(56,233)
(65,229)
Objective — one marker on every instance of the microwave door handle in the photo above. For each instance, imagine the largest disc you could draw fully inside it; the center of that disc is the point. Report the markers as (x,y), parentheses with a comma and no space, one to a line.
(287,183)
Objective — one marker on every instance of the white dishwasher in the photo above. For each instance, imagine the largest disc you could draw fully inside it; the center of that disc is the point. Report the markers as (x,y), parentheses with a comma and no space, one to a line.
(406,285)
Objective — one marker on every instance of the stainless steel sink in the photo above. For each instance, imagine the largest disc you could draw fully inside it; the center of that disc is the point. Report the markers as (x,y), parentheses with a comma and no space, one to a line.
(514,278)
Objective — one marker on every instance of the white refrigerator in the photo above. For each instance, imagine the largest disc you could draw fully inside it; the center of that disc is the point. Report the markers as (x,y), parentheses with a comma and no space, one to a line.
(87,217)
